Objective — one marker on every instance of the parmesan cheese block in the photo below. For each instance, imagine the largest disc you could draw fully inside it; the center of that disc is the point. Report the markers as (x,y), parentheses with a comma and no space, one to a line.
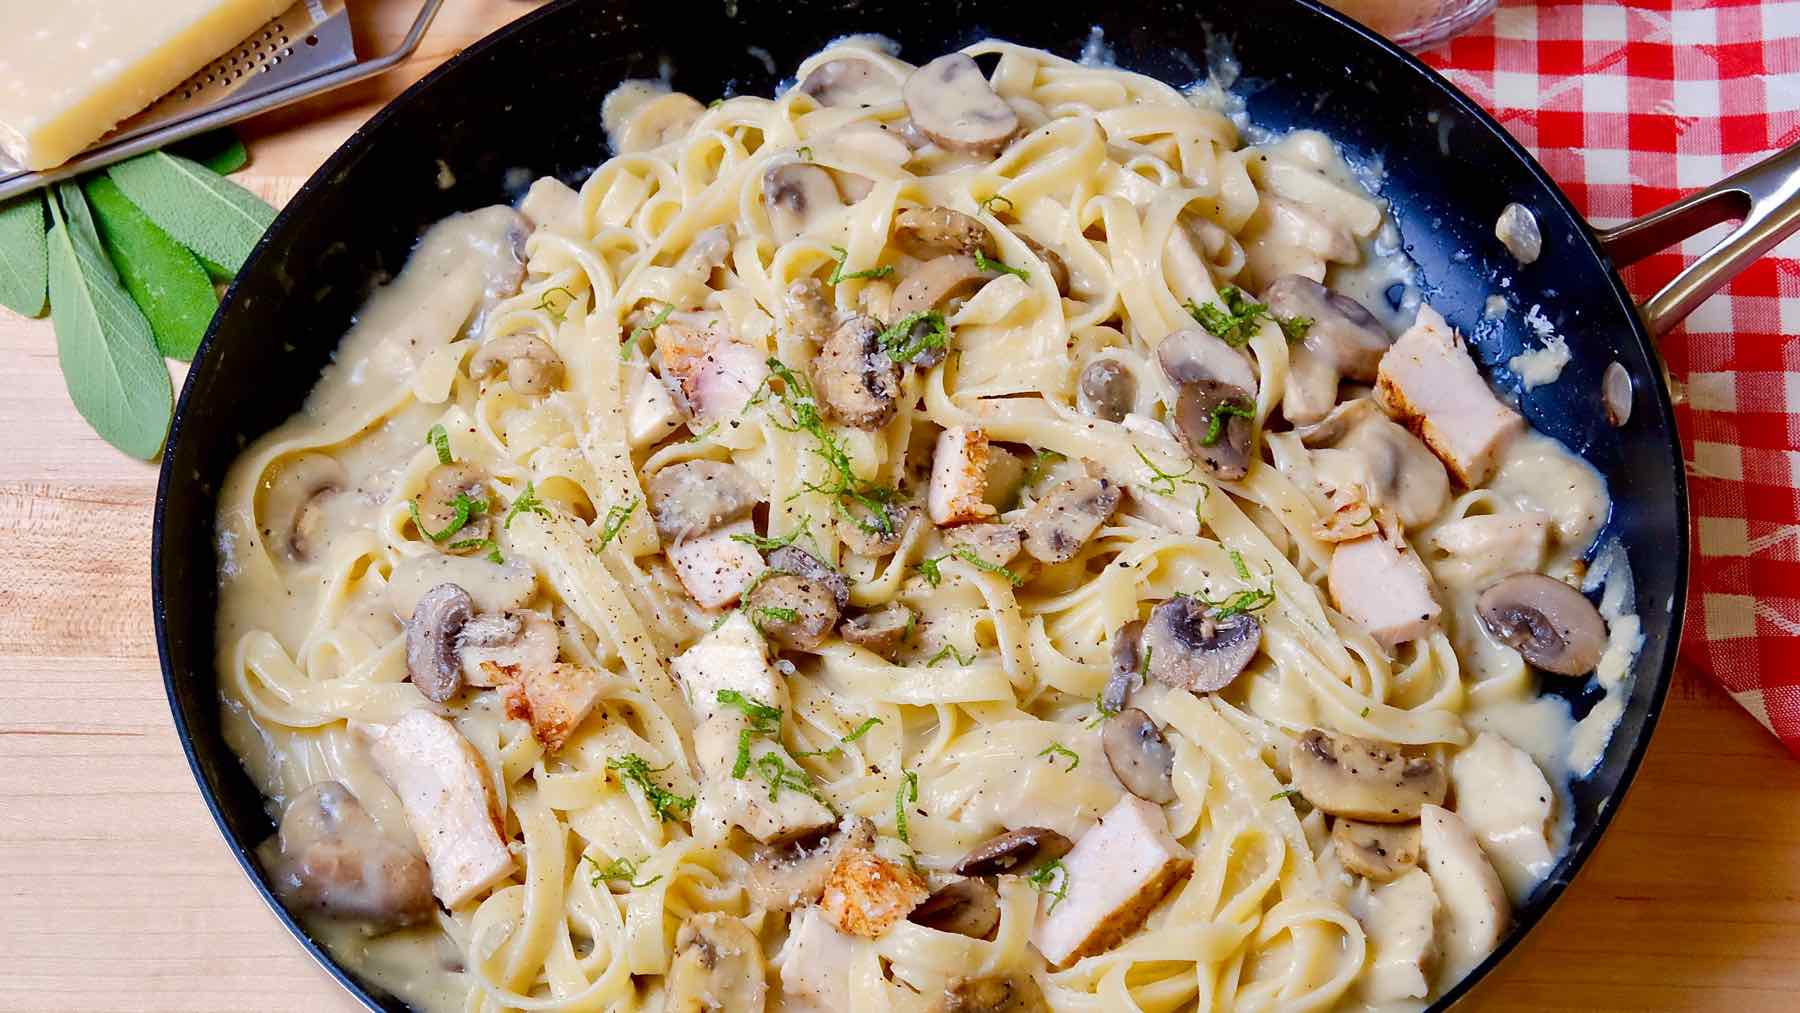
(70,70)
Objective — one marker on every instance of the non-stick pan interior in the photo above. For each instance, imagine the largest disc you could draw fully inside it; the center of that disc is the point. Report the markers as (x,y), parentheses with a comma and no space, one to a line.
(526,102)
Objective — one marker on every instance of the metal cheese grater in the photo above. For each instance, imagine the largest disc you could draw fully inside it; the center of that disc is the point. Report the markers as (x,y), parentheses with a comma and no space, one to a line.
(305,51)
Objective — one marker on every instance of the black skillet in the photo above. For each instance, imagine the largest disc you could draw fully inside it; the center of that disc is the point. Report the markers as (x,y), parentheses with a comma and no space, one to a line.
(526,101)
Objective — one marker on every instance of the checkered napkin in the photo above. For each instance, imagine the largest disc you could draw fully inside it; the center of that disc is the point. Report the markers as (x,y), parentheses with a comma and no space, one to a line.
(1628,106)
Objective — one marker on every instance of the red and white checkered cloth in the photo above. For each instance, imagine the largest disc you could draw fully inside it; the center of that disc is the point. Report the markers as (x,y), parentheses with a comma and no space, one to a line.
(1629,106)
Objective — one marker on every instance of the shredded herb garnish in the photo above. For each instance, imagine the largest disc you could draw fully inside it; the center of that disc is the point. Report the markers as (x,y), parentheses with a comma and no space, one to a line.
(556,313)
(616,870)
(527,501)
(987,203)
(931,567)
(837,750)
(704,433)
(1365,713)
(634,769)
(656,321)
(492,547)
(1046,879)
(950,651)
(466,506)
(846,487)
(1216,419)
(1165,482)
(983,263)
(838,273)
(862,729)
(761,544)
(614,522)
(1237,563)
(804,153)
(778,775)
(928,568)
(1289,793)
(440,441)
(1235,321)
(905,795)
(1236,604)
(715,103)
(906,341)
(1295,328)
(1057,749)
(765,721)
(777,614)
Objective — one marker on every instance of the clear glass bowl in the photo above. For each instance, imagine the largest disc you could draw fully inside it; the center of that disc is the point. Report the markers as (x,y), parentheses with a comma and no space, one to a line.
(1417,24)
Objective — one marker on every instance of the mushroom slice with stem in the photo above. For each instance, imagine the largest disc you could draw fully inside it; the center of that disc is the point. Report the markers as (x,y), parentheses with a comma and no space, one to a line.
(1014,849)
(951,102)
(937,281)
(1006,993)
(786,876)
(795,612)
(431,641)
(965,907)
(1378,851)
(335,860)
(850,81)
(1550,623)
(1190,648)
(1342,340)
(454,509)
(1141,758)
(857,380)
(1214,423)
(930,232)
(993,542)
(532,366)
(513,640)
(718,965)
(694,497)
(797,195)
(1107,389)
(1364,780)
(1063,519)
(1127,655)
(292,501)
(881,631)
(795,560)
(1192,355)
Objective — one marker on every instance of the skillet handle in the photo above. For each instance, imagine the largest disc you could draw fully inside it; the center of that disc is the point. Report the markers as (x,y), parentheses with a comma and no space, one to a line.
(1763,198)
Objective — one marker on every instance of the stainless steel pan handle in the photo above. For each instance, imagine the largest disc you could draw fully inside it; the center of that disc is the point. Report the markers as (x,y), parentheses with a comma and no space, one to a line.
(1763,198)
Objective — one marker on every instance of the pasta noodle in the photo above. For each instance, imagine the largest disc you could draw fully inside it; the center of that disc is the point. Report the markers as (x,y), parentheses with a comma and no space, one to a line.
(505,417)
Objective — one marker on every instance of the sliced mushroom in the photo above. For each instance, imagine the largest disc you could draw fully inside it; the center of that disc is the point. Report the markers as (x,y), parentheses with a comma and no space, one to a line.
(1063,519)
(516,641)
(1053,262)
(881,631)
(448,508)
(1378,851)
(718,965)
(431,640)
(858,382)
(937,281)
(335,860)
(1190,649)
(795,612)
(965,907)
(1014,849)
(808,312)
(992,542)
(1343,340)
(1141,758)
(930,232)
(870,535)
(795,560)
(1214,423)
(1553,625)
(951,102)
(849,81)
(1364,780)
(1010,993)
(1192,355)
(1127,662)
(706,253)
(292,502)
(1358,445)
(694,497)
(1107,390)
(787,876)
(532,366)
(797,194)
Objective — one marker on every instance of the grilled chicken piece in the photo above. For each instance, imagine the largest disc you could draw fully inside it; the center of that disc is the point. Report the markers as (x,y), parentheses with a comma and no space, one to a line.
(1505,800)
(867,894)
(714,568)
(1429,384)
(449,803)
(815,964)
(1475,911)
(1116,875)
(651,414)
(959,466)
(1384,588)
(1401,921)
(716,374)
(555,698)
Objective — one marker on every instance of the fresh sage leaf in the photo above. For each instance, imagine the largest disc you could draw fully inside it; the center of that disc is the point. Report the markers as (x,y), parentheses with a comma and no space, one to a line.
(104,344)
(23,255)
(218,150)
(82,231)
(164,279)
(205,212)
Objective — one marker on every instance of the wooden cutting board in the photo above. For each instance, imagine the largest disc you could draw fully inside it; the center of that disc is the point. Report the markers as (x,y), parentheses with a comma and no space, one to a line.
(117,892)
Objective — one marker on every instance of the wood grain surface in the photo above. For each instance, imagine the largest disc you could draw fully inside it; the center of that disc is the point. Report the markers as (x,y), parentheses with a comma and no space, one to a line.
(117,892)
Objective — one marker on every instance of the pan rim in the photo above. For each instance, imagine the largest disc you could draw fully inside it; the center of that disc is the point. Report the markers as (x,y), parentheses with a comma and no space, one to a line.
(1538,906)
